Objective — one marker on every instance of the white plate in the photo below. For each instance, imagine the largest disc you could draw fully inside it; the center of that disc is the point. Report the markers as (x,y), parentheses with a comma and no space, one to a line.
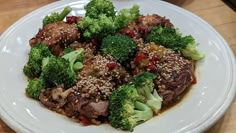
(203,105)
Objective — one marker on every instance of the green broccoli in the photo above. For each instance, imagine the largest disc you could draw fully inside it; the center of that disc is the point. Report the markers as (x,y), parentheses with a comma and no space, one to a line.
(126,109)
(97,7)
(56,71)
(55,16)
(75,59)
(35,87)
(172,38)
(97,28)
(100,19)
(126,16)
(120,47)
(145,86)
(80,56)
(77,66)
(191,50)
(33,67)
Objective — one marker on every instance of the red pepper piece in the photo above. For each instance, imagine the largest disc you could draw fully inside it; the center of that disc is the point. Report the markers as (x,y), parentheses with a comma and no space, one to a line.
(130,33)
(151,67)
(111,66)
(155,58)
(139,57)
(194,81)
(73,19)
(84,120)
(94,42)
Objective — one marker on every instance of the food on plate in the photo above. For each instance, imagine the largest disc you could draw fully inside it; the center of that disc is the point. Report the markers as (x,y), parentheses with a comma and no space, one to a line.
(126,109)
(105,22)
(117,67)
(33,67)
(120,47)
(55,17)
(54,71)
(56,36)
(174,73)
(97,7)
(171,38)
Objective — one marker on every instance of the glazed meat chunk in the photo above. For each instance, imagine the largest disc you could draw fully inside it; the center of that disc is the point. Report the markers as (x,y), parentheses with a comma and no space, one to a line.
(140,27)
(99,77)
(56,36)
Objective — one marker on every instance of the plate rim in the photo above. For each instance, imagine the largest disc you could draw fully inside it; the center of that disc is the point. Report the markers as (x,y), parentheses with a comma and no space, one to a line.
(9,120)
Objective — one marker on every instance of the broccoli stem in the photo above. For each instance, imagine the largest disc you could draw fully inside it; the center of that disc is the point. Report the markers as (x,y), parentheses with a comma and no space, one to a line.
(145,87)
(192,52)
(154,102)
(142,112)
(77,66)
(64,13)
(72,57)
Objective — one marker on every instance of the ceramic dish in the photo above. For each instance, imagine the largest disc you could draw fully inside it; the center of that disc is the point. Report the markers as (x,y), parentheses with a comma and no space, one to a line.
(203,105)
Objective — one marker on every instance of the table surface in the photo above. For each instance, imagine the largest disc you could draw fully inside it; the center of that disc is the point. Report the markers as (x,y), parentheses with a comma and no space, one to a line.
(215,12)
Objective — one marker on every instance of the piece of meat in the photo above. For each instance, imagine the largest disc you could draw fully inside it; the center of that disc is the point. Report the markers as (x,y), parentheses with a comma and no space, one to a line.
(78,105)
(140,27)
(56,36)
(174,81)
(167,96)
(46,98)
(74,101)
(170,90)
(94,109)
(98,79)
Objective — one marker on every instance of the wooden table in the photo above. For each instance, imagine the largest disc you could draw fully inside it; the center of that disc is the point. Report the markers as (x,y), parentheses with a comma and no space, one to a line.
(215,12)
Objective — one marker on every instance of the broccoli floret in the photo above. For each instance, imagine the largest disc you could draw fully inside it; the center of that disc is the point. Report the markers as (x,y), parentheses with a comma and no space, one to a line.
(97,28)
(166,36)
(100,19)
(57,71)
(125,16)
(98,7)
(56,16)
(35,87)
(191,49)
(171,38)
(145,86)
(126,109)
(33,67)
(120,47)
